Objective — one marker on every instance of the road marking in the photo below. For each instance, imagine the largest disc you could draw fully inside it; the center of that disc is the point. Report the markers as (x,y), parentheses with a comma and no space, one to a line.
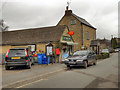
(32,78)
(29,83)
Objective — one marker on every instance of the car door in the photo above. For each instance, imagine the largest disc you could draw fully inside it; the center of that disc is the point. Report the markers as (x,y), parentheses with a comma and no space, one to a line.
(93,56)
(89,58)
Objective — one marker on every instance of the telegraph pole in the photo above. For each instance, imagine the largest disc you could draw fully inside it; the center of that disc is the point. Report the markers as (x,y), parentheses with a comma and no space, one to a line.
(112,41)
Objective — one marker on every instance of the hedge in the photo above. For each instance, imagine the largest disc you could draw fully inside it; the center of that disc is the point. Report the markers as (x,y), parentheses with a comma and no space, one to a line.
(103,55)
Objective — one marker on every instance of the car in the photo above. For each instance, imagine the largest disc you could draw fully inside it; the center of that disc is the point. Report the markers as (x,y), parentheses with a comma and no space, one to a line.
(116,50)
(18,57)
(111,50)
(104,51)
(81,58)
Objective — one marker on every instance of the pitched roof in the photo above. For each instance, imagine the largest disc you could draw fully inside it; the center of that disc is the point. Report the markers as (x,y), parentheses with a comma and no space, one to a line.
(82,20)
(32,36)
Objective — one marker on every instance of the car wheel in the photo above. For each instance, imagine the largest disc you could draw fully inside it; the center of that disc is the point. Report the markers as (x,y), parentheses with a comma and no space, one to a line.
(68,66)
(85,64)
(29,66)
(95,62)
(7,67)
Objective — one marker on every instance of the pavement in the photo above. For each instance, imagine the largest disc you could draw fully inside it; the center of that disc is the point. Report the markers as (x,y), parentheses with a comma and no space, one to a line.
(21,74)
(102,75)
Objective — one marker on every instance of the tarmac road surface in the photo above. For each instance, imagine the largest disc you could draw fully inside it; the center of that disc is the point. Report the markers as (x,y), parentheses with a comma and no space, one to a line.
(102,75)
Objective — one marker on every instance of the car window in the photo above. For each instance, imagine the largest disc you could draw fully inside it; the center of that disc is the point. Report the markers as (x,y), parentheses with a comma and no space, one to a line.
(81,53)
(90,53)
(16,52)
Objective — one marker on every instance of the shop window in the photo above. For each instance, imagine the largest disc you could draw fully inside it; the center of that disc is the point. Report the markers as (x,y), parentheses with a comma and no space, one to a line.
(87,35)
(73,22)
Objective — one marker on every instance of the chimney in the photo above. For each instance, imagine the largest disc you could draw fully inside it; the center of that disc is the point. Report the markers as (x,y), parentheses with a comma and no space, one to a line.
(68,12)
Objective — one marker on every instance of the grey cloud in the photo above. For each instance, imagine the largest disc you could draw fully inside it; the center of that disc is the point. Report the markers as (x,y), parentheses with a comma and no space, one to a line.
(21,15)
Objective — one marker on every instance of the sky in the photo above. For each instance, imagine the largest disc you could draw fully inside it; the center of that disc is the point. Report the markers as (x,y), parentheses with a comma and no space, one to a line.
(22,14)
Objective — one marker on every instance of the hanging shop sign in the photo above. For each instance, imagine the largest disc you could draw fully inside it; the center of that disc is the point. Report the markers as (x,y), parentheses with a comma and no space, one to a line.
(70,32)
(66,38)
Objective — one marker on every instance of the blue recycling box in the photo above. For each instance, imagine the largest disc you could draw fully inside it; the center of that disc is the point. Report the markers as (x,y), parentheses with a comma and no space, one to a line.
(39,58)
(44,59)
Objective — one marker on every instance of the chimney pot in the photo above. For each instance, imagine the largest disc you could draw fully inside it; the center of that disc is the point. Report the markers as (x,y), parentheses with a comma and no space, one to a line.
(68,12)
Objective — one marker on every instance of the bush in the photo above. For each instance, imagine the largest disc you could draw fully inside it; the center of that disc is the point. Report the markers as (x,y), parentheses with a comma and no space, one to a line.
(103,55)
(99,56)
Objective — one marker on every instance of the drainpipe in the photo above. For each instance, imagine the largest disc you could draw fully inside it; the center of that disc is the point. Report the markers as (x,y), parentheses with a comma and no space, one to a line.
(82,32)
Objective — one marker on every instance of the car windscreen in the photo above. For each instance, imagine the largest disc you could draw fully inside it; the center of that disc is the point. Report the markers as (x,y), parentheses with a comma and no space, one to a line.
(16,52)
(105,50)
(81,53)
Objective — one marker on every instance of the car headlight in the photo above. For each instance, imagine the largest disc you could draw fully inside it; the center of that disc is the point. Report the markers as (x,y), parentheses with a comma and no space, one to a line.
(66,60)
(79,60)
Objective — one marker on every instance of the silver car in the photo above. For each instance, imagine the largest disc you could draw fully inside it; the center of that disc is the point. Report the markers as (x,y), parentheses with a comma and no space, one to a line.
(104,51)
(81,58)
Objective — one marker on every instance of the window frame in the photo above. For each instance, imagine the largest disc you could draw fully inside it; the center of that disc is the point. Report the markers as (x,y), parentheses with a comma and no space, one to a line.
(73,22)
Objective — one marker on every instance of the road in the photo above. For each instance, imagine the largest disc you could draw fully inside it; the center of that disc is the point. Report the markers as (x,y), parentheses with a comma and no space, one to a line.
(102,75)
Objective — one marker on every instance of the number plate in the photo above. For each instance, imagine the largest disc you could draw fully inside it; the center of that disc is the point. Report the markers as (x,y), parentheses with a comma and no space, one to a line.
(15,57)
(72,62)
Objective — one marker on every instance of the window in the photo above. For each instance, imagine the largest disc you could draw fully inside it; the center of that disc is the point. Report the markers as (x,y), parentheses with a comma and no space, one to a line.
(16,52)
(87,35)
(73,22)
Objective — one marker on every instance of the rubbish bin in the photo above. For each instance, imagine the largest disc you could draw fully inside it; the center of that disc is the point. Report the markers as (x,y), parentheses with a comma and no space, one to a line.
(44,59)
(39,58)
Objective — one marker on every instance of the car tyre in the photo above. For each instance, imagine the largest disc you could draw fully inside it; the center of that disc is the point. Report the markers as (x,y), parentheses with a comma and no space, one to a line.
(68,66)
(85,64)
(7,67)
(95,62)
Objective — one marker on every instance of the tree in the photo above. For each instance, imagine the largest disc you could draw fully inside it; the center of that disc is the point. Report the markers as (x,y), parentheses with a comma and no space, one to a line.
(114,43)
(3,26)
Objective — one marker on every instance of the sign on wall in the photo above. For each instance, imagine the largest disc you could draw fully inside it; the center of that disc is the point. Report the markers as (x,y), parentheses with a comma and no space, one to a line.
(66,38)
(64,56)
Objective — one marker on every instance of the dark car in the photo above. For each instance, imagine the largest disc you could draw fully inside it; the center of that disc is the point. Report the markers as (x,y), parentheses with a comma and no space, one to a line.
(81,58)
(18,57)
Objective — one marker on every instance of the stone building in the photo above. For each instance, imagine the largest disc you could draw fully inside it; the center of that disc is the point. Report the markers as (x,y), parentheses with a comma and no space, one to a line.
(39,38)
(58,35)
(99,44)
(84,32)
